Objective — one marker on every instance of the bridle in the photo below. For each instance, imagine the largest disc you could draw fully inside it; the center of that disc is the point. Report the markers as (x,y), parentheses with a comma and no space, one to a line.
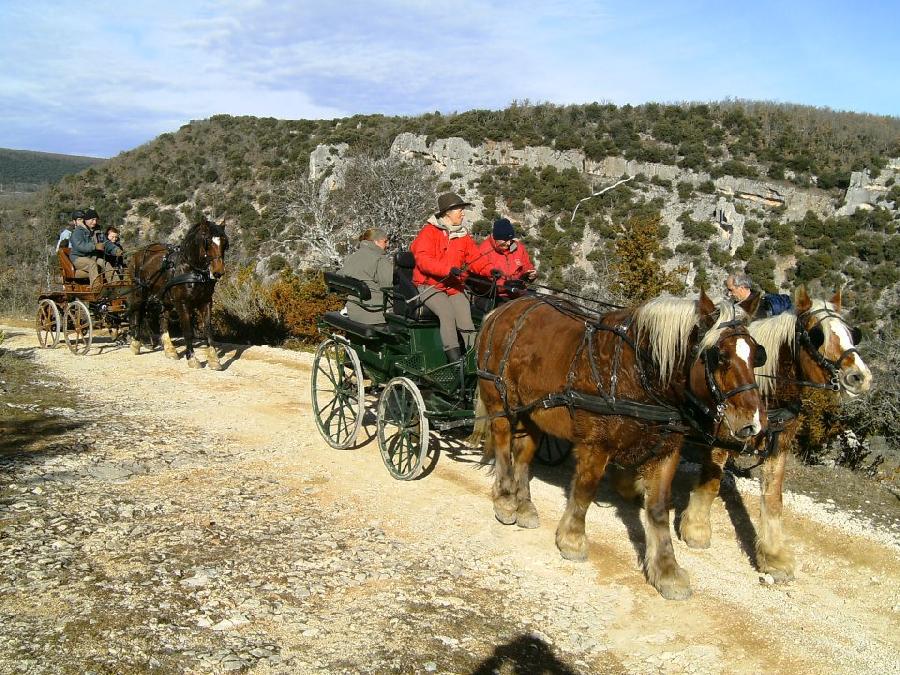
(710,365)
(832,367)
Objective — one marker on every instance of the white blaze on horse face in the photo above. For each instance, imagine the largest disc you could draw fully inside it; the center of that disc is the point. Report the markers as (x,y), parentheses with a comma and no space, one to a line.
(217,241)
(743,350)
(757,425)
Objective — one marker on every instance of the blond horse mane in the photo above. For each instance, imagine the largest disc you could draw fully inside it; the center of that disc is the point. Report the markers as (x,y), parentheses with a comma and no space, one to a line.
(668,322)
(773,333)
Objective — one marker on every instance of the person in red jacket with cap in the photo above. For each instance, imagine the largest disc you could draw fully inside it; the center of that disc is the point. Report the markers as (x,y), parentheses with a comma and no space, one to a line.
(503,256)
(443,249)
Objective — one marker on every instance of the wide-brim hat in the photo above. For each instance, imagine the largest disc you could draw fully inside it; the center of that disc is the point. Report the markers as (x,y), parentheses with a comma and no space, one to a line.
(450,200)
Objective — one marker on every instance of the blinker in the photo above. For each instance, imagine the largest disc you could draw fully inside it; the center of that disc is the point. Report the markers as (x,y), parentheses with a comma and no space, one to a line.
(760,358)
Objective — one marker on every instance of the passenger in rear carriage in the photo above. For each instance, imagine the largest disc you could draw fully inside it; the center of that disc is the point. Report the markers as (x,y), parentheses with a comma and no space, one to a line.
(443,250)
(113,251)
(504,257)
(370,263)
(63,241)
(86,251)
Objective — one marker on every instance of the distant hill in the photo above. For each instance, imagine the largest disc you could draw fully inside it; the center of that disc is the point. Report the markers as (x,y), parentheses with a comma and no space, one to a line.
(27,171)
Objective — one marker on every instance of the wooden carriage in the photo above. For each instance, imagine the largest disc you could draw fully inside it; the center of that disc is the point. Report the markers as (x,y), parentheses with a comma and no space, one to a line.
(72,309)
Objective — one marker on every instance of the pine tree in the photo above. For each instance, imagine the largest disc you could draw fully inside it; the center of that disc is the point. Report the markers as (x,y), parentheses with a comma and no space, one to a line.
(640,275)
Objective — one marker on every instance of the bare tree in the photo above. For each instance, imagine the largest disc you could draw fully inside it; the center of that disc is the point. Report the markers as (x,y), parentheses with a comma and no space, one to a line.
(373,192)
(310,222)
(386,192)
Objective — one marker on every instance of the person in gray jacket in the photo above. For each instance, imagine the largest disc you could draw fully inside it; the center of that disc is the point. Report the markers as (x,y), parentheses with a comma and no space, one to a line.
(85,250)
(370,263)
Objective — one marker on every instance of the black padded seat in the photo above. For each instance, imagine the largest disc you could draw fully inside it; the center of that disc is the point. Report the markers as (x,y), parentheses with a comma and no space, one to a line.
(365,330)
(406,300)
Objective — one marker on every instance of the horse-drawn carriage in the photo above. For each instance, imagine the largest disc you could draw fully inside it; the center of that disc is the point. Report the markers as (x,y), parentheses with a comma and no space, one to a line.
(402,360)
(626,387)
(71,308)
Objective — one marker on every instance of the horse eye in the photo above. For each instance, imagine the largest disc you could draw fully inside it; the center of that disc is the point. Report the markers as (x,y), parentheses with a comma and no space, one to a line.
(856,335)
(760,358)
(817,337)
(713,357)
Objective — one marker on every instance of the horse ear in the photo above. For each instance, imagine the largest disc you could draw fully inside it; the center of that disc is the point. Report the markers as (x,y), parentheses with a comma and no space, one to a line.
(751,304)
(704,304)
(708,310)
(801,300)
(836,300)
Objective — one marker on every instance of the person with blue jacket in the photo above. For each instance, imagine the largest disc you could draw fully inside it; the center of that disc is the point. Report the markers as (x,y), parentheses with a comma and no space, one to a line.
(86,249)
(738,287)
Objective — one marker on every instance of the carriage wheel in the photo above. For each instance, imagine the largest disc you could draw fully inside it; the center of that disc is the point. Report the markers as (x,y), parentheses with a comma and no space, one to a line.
(338,395)
(79,328)
(48,323)
(552,450)
(402,428)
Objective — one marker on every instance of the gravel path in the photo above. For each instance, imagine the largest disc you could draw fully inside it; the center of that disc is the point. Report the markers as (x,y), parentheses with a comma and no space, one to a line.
(193,521)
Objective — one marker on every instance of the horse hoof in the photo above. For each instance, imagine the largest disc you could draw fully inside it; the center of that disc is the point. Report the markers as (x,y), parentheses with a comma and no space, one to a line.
(781,567)
(214,365)
(136,348)
(193,363)
(527,516)
(675,585)
(171,355)
(575,552)
(505,516)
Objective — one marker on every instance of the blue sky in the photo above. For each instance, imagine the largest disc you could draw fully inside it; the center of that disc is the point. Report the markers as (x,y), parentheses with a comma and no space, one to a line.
(97,77)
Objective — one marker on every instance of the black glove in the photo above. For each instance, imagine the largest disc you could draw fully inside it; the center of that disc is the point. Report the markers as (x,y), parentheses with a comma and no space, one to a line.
(456,271)
(496,273)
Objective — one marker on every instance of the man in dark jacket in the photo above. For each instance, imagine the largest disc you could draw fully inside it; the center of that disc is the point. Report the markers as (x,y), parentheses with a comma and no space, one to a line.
(86,250)
(370,263)
(739,287)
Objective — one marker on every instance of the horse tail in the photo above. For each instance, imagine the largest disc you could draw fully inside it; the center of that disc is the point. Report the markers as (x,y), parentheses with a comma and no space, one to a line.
(482,424)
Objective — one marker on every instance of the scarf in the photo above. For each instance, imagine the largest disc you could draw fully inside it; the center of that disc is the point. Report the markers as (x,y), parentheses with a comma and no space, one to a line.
(454,232)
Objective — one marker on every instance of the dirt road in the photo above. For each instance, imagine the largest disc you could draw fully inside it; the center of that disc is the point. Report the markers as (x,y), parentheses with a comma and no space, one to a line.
(194,521)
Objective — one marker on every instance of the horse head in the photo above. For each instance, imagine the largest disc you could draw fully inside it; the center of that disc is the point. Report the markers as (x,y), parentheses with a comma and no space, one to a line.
(827,351)
(721,381)
(209,249)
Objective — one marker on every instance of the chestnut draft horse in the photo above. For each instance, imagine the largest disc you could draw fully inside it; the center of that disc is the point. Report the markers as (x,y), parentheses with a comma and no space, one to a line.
(622,387)
(812,347)
(180,278)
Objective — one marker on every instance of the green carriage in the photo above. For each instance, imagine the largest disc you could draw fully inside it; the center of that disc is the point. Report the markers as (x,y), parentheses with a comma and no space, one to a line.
(402,361)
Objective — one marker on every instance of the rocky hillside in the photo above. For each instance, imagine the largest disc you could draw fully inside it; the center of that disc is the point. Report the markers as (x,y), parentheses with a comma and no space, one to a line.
(793,194)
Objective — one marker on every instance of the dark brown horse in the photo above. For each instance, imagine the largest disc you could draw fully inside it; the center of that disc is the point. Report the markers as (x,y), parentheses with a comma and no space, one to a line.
(180,278)
(812,347)
(620,388)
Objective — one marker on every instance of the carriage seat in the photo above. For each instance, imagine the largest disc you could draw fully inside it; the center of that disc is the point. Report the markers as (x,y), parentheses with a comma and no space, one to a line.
(69,273)
(345,323)
(406,301)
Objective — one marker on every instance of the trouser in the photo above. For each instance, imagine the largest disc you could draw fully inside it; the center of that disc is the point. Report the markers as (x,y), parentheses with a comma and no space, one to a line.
(455,314)
(93,266)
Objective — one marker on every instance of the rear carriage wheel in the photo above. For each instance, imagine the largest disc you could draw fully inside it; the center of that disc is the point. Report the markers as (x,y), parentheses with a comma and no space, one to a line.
(552,450)
(48,323)
(338,395)
(79,328)
(402,428)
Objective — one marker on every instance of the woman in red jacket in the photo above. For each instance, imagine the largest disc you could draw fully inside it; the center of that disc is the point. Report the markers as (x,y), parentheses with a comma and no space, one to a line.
(443,249)
(503,256)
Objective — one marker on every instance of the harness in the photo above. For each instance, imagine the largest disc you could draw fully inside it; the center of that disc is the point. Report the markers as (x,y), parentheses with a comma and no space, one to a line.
(680,419)
(778,418)
(196,274)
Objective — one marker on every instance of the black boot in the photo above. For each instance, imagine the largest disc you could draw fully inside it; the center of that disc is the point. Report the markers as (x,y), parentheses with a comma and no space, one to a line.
(453,354)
